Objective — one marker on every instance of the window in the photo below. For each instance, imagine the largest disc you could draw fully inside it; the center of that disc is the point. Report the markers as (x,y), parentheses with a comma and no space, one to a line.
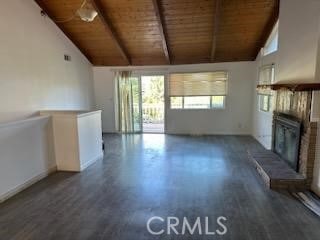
(205,90)
(272,42)
(202,102)
(176,102)
(266,77)
(266,74)
(264,103)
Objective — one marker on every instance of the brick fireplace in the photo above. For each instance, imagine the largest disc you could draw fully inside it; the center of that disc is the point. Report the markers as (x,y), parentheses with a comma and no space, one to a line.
(298,105)
(290,163)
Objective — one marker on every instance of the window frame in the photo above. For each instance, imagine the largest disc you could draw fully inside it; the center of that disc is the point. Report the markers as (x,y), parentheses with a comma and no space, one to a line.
(207,109)
(274,33)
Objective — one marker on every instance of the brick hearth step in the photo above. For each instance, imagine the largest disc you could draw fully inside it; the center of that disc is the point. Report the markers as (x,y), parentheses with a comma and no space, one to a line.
(276,173)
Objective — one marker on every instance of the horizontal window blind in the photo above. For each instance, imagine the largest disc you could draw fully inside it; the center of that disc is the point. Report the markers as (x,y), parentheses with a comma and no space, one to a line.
(198,84)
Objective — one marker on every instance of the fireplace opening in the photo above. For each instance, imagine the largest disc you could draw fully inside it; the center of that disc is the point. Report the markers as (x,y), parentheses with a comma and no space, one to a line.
(286,139)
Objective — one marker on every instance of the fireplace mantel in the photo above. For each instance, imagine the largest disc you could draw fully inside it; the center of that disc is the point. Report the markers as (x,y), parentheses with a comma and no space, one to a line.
(295,87)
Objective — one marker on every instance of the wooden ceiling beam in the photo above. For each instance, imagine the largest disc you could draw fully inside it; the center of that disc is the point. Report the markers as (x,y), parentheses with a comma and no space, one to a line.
(163,33)
(96,4)
(215,29)
(130,25)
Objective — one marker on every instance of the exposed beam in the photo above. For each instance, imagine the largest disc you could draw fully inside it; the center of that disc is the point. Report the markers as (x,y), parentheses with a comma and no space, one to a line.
(96,4)
(215,29)
(47,13)
(268,29)
(163,34)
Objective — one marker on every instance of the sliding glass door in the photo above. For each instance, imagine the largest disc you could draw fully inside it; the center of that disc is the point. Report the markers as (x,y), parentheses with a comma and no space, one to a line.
(153,104)
(141,104)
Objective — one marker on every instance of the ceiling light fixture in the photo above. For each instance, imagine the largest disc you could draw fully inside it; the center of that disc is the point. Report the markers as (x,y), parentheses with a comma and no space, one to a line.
(86,14)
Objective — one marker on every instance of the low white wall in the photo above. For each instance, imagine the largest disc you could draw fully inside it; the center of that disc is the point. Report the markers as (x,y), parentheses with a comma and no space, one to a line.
(26,154)
(89,138)
(77,138)
(236,118)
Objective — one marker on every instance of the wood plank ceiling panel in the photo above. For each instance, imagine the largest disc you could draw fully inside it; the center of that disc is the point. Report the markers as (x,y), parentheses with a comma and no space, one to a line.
(243,28)
(137,26)
(197,31)
(190,27)
(90,37)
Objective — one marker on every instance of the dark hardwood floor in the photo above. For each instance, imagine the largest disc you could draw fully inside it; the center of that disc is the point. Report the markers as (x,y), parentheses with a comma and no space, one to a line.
(143,176)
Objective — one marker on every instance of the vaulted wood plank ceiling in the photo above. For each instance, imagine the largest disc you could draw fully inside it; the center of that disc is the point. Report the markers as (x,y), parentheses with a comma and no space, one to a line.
(157,32)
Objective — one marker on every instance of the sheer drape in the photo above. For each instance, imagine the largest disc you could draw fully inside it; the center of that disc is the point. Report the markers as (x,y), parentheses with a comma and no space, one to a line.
(125,102)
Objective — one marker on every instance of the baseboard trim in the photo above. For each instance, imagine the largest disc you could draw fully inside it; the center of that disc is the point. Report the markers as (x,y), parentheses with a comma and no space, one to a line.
(208,134)
(87,164)
(27,184)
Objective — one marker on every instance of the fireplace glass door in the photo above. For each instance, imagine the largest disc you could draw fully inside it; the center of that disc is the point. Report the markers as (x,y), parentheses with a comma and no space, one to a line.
(287,142)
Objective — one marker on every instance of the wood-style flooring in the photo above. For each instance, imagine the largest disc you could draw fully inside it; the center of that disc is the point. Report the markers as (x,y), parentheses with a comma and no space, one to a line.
(142,176)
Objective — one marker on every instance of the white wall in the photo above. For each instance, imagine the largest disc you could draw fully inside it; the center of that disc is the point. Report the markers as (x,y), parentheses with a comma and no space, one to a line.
(104,89)
(298,40)
(234,119)
(296,58)
(33,73)
(33,77)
